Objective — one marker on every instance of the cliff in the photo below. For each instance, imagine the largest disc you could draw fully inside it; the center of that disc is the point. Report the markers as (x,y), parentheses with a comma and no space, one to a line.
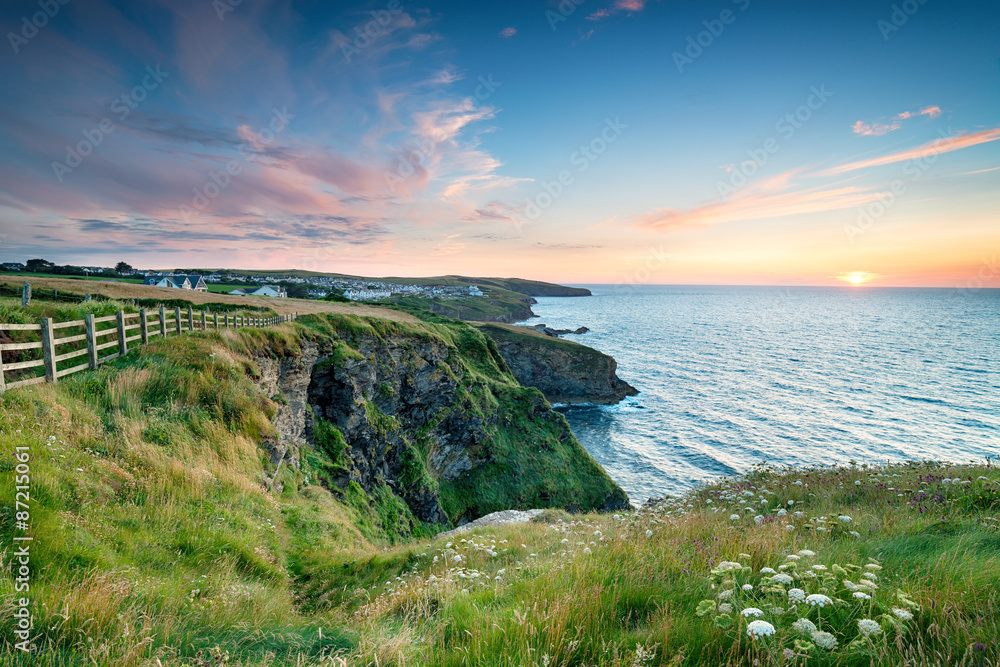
(564,371)
(429,414)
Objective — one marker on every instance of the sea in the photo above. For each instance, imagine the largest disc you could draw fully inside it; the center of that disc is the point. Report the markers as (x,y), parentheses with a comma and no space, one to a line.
(802,376)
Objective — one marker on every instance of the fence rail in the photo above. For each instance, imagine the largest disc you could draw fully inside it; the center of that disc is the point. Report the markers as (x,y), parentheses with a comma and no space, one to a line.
(118,333)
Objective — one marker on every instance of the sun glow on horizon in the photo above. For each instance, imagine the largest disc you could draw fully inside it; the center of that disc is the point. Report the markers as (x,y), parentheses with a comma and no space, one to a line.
(857,277)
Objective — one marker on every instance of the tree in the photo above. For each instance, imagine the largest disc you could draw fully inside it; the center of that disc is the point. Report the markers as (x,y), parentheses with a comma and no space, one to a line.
(38,265)
(123,268)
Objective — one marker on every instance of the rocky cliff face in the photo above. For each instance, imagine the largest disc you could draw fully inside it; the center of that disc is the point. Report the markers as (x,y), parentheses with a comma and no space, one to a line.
(566,372)
(432,416)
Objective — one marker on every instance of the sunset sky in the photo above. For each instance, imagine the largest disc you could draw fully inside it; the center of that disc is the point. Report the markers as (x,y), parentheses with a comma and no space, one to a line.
(729,142)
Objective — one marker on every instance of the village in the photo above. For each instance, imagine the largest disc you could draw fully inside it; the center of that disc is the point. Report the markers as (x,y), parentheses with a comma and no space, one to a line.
(267,285)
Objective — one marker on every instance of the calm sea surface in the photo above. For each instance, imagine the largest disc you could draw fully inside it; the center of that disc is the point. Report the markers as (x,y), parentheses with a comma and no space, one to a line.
(731,376)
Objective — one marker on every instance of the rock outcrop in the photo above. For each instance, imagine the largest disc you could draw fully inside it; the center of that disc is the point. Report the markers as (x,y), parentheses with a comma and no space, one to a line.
(555,333)
(434,417)
(566,372)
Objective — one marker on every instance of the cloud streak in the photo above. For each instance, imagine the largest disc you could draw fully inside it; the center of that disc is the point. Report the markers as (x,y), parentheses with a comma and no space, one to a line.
(936,147)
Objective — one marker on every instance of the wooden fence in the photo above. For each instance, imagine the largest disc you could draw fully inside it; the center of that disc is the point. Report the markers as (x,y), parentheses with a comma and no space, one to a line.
(96,340)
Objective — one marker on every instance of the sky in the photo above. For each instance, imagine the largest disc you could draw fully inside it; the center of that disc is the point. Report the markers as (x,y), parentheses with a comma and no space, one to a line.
(581,141)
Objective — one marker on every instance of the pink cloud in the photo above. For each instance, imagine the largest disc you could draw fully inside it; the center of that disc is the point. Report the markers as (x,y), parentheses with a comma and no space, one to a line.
(619,6)
(874,129)
(936,147)
(509,32)
(877,129)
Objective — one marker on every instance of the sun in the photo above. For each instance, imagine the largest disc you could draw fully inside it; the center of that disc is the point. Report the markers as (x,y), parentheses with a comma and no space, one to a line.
(857,277)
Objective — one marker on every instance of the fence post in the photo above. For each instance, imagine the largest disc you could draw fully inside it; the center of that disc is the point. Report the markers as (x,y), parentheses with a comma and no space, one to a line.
(122,344)
(203,320)
(91,341)
(144,326)
(177,317)
(3,383)
(216,321)
(163,323)
(190,318)
(26,295)
(49,349)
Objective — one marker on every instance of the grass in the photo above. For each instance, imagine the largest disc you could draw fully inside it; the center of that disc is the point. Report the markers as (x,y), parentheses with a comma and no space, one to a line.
(156,542)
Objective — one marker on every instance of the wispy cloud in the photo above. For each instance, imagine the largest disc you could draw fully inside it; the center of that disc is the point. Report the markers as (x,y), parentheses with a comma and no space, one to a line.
(508,32)
(936,147)
(878,128)
(630,6)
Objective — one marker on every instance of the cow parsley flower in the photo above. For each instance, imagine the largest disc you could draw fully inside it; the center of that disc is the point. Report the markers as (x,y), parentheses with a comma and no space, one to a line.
(752,611)
(806,552)
(796,595)
(747,587)
(725,608)
(782,578)
(734,517)
(649,533)
(862,596)
(869,627)
(824,639)
(845,519)
(760,629)
(767,570)
(805,626)
(903,614)
(819,600)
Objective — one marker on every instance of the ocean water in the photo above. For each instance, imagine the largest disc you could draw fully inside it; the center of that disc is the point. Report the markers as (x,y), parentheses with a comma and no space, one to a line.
(731,376)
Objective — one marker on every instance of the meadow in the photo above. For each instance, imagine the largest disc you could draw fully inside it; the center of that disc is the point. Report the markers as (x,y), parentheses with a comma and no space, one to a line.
(157,543)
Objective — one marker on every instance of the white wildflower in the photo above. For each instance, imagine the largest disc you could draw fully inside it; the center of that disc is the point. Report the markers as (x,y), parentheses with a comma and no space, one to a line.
(782,578)
(824,640)
(752,611)
(819,600)
(734,517)
(806,552)
(726,608)
(649,533)
(845,519)
(796,594)
(869,627)
(766,570)
(760,629)
(747,587)
(862,596)
(805,626)
(903,614)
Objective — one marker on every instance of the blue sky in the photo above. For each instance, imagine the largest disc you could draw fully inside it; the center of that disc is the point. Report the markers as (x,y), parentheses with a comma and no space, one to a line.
(805,143)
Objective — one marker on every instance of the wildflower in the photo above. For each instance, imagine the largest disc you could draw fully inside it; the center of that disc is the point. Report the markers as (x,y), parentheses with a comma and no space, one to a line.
(782,579)
(791,557)
(862,596)
(873,566)
(800,515)
(805,626)
(789,527)
(857,482)
(457,558)
(564,541)
(747,587)
(726,608)
(845,519)
(819,600)
(819,568)
(806,552)
(752,611)
(902,614)
(766,570)
(586,550)
(758,519)
(869,627)
(824,639)
(870,575)
(788,653)
(850,585)
(782,512)
(760,629)
(796,594)
(649,533)
(791,502)
(855,533)
(734,517)
(725,595)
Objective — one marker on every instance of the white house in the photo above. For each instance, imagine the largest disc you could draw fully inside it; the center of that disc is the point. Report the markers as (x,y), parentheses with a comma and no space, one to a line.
(178,281)
(267,290)
(474,291)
